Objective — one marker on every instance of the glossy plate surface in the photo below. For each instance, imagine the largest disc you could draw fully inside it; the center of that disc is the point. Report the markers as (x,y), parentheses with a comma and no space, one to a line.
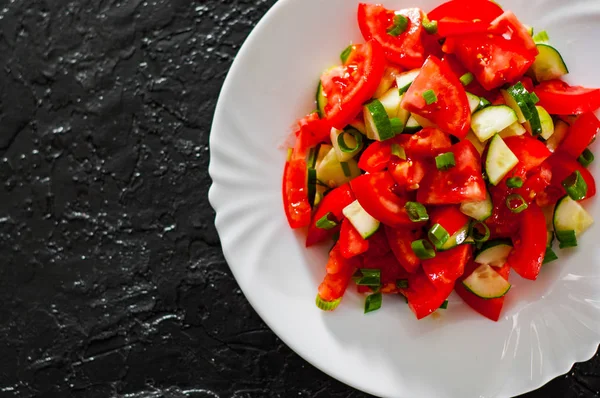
(546,325)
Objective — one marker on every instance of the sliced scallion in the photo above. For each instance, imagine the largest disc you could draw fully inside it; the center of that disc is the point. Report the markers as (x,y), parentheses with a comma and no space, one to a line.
(327,305)
(416,211)
(346,169)
(438,235)
(367,277)
(325,222)
(549,256)
(356,137)
(430,97)
(397,125)
(445,161)
(516,203)
(478,236)
(541,37)
(346,53)
(566,239)
(467,79)
(423,249)
(514,182)
(575,186)
(399,26)
(444,305)
(430,27)
(586,158)
(373,302)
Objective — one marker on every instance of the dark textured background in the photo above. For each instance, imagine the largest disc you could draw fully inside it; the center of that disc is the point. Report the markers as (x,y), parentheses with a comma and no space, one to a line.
(112,280)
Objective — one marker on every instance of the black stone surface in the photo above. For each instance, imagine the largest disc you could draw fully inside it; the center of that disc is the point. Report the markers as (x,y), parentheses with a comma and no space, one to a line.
(112,280)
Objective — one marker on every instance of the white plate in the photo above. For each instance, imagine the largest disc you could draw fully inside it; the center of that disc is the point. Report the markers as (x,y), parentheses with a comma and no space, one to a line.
(546,325)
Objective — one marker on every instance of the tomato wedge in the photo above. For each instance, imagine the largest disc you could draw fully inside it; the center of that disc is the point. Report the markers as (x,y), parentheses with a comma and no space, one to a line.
(447,266)
(509,24)
(376,157)
(311,131)
(564,166)
(340,271)
(400,240)
(423,297)
(425,143)
(530,246)
(378,244)
(405,49)
(407,173)
(334,202)
(348,86)
(530,152)
(450,110)
(558,98)
(468,10)
(449,217)
(391,270)
(295,188)
(502,223)
(490,308)
(449,26)
(463,182)
(580,135)
(351,243)
(375,193)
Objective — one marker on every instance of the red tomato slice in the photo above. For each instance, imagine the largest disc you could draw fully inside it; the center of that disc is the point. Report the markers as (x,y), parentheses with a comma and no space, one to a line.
(530,246)
(530,151)
(502,223)
(564,166)
(527,82)
(463,182)
(449,217)
(375,194)
(378,244)
(489,308)
(347,87)
(447,266)
(375,157)
(334,284)
(405,49)
(558,98)
(427,142)
(509,24)
(492,59)
(423,298)
(334,202)
(580,136)
(407,173)
(295,193)
(312,131)
(391,270)
(351,243)
(400,240)
(459,70)
(468,10)
(451,111)
(449,26)
(536,182)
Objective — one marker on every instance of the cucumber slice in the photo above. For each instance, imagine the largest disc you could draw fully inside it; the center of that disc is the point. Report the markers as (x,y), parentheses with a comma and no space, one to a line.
(364,223)
(321,100)
(350,142)
(331,172)
(546,122)
(495,253)
(514,129)
(386,82)
(377,121)
(486,283)
(560,132)
(492,120)
(480,146)
(422,121)
(412,126)
(499,161)
(569,215)
(403,114)
(523,101)
(324,149)
(481,210)
(510,101)
(391,102)
(458,238)
(474,102)
(549,64)
(404,80)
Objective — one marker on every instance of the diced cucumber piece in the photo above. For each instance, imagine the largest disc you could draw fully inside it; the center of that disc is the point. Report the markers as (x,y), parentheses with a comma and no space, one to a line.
(364,223)
(500,160)
(331,171)
(492,120)
(386,82)
(324,149)
(560,132)
(510,101)
(422,121)
(403,114)
(549,64)
(359,125)
(480,146)
(391,102)
(350,141)
(412,126)
(480,210)
(514,129)
(486,283)
(569,215)
(546,122)
(473,102)
(458,238)
(321,100)
(319,194)
(377,121)
(404,80)
(495,253)
(524,102)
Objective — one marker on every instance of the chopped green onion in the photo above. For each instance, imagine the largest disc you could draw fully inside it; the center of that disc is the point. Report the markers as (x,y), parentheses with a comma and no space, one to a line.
(516,203)
(341,140)
(367,277)
(541,37)
(438,235)
(566,239)
(575,186)
(514,182)
(373,302)
(430,97)
(327,305)
(535,98)
(467,79)
(325,223)
(416,211)
(402,283)
(399,26)
(483,103)
(586,158)
(479,237)
(398,151)
(423,249)
(312,185)
(397,125)
(346,53)
(430,27)
(312,157)
(445,161)
(444,305)
(346,169)
(549,256)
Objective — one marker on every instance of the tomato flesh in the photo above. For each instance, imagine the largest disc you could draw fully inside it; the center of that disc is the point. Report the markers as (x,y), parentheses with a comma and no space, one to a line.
(530,152)
(530,246)
(449,217)
(340,271)
(563,167)
(509,24)
(558,98)
(376,157)
(400,240)
(334,202)
(580,135)
(449,26)
(427,142)
(469,10)
(391,270)
(423,297)
(351,243)
(447,266)
(407,173)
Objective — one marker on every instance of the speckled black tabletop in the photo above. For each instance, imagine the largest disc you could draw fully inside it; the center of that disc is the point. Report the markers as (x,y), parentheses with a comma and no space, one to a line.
(112,280)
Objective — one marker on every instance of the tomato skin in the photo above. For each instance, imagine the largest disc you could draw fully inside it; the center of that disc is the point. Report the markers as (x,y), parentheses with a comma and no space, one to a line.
(407,173)
(391,270)
(311,131)
(469,10)
(449,217)
(530,246)
(400,240)
(508,23)
(463,182)
(451,111)
(449,26)
(423,297)
(558,98)
(406,49)
(502,223)
(375,194)
(447,266)
(347,87)
(580,135)
(334,202)
(375,157)
(490,308)
(530,152)
(562,167)
(427,142)
(339,273)
(295,192)
(378,244)
(351,243)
